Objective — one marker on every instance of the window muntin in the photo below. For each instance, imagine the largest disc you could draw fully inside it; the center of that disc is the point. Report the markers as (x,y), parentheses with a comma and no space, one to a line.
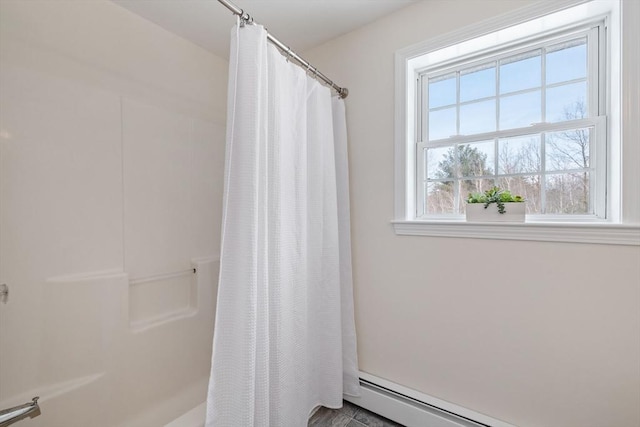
(525,119)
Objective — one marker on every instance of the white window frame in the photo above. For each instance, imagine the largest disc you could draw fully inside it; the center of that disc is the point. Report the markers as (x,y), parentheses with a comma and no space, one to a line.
(507,30)
(595,35)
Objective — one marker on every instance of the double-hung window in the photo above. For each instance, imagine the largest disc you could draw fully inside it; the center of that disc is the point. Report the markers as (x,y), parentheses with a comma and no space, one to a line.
(539,101)
(529,117)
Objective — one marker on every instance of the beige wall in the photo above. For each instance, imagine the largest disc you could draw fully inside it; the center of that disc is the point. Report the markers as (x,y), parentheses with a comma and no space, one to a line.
(112,150)
(554,340)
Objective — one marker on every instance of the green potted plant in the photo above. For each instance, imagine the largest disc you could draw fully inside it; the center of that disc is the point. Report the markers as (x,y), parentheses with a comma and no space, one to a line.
(495,205)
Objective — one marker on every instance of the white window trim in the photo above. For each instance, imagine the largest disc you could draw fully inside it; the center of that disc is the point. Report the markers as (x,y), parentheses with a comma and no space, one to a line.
(622,228)
(610,234)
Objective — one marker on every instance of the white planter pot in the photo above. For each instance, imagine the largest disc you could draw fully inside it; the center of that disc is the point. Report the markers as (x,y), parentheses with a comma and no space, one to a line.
(514,212)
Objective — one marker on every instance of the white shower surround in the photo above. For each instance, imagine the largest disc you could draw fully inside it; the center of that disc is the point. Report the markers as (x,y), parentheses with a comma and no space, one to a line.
(112,156)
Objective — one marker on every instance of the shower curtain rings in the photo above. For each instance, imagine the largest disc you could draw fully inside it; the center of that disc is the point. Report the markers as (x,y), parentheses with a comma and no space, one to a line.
(245,18)
(313,71)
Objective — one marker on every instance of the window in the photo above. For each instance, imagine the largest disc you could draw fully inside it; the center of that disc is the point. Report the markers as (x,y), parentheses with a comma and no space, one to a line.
(541,101)
(528,118)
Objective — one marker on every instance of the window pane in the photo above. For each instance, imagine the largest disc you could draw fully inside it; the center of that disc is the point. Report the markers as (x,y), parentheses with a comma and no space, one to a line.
(466,160)
(478,117)
(519,155)
(527,186)
(478,82)
(568,193)
(520,72)
(567,61)
(442,91)
(442,123)
(567,149)
(476,159)
(441,163)
(440,197)
(520,110)
(566,102)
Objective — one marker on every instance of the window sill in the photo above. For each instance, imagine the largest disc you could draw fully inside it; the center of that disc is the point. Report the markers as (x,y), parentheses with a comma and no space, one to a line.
(600,233)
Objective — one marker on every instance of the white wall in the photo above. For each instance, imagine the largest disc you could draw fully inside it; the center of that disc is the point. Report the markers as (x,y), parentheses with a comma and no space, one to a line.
(112,151)
(553,340)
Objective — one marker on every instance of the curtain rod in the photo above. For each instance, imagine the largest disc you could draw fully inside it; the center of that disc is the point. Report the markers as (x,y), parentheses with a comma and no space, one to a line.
(343,92)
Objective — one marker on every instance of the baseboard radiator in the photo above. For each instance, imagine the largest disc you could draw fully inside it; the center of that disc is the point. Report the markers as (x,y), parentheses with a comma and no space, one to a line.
(414,409)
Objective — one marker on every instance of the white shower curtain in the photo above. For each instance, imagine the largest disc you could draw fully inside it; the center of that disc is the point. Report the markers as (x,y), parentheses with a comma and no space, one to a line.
(284,338)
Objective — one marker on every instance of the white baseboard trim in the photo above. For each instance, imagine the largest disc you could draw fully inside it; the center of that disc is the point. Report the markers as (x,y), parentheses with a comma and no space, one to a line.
(415,409)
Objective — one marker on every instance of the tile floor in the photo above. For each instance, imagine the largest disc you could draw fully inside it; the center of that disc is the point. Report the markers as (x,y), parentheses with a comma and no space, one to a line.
(349,415)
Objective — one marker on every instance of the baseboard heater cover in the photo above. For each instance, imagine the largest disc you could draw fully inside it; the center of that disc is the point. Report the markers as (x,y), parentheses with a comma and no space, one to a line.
(414,409)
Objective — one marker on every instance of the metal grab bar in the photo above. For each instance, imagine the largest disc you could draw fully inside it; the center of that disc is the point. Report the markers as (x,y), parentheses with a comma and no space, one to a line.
(15,414)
